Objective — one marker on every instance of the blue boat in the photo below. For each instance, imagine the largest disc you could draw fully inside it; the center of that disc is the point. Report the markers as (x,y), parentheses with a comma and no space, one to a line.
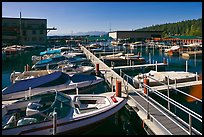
(56,80)
(50,51)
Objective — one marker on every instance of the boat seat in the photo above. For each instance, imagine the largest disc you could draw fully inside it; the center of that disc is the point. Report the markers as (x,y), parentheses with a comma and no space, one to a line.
(32,108)
(26,121)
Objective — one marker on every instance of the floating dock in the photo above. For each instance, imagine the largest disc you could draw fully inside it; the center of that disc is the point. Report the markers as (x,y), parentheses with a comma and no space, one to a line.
(156,119)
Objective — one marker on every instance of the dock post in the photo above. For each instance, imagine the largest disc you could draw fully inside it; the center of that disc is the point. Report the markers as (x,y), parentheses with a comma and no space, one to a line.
(156,66)
(146,91)
(164,61)
(112,83)
(29,92)
(190,125)
(13,79)
(139,54)
(77,90)
(196,76)
(186,66)
(175,83)
(97,69)
(54,122)
(118,88)
(47,67)
(120,72)
(168,92)
(146,82)
(149,58)
(25,69)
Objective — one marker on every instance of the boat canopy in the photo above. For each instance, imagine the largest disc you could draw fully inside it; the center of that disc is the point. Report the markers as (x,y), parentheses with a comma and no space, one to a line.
(81,77)
(54,78)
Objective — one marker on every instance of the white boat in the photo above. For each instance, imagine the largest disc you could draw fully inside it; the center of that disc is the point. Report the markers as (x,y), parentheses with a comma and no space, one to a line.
(35,115)
(180,76)
(137,44)
(57,80)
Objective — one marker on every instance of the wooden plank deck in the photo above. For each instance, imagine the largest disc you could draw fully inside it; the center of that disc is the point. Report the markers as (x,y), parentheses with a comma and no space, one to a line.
(165,122)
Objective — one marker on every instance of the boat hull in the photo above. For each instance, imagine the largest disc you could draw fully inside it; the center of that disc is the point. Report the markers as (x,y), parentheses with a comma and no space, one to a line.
(65,125)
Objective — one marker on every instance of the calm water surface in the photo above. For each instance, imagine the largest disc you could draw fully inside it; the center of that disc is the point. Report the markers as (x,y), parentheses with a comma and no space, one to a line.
(124,122)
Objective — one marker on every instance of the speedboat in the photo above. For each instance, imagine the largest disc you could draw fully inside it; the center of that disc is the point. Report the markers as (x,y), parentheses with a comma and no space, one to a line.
(57,80)
(54,112)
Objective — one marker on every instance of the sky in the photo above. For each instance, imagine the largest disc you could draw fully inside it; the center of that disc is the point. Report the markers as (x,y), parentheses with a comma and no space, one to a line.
(74,17)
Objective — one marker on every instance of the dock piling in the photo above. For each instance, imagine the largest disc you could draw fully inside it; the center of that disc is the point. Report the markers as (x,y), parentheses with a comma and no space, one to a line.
(54,122)
(28,67)
(25,69)
(164,61)
(118,88)
(149,58)
(77,90)
(186,66)
(190,125)
(168,92)
(146,82)
(156,66)
(97,69)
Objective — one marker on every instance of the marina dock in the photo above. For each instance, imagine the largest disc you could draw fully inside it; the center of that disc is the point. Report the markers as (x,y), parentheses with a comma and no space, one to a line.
(156,119)
(139,66)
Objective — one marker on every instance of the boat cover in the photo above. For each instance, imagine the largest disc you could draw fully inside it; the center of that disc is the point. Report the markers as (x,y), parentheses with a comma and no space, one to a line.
(82,77)
(57,77)
(50,52)
(51,60)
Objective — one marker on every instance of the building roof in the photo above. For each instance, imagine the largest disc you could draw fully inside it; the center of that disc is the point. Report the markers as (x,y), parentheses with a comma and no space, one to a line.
(136,31)
(185,37)
(22,18)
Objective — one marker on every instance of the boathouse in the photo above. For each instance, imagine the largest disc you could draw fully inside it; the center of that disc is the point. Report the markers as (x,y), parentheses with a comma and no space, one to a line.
(137,35)
(184,39)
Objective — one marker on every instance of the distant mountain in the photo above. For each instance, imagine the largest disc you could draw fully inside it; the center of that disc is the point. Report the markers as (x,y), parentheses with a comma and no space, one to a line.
(91,33)
(183,28)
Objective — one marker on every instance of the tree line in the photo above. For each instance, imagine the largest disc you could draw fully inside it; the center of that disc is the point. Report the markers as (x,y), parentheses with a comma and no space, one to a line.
(183,28)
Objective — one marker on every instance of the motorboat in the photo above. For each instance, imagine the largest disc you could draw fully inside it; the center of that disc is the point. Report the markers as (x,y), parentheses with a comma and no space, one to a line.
(57,80)
(156,77)
(69,69)
(53,62)
(53,112)
(174,50)
(123,59)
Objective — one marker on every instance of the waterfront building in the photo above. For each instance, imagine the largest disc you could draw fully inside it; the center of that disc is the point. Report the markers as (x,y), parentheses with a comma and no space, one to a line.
(24,31)
(137,35)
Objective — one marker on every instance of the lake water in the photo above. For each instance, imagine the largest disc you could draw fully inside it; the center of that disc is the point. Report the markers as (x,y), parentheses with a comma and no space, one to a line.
(124,122)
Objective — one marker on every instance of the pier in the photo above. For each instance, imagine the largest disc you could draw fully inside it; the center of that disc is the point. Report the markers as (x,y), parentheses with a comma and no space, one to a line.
(156,118)
(139,66)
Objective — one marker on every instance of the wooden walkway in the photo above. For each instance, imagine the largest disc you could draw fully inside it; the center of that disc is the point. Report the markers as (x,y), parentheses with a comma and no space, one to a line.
(160,121)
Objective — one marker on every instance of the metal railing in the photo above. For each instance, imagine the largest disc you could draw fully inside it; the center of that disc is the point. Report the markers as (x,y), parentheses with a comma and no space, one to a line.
(172,102)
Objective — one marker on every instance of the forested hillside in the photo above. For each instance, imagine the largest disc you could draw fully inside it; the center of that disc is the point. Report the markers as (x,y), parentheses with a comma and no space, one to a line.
(187,28)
